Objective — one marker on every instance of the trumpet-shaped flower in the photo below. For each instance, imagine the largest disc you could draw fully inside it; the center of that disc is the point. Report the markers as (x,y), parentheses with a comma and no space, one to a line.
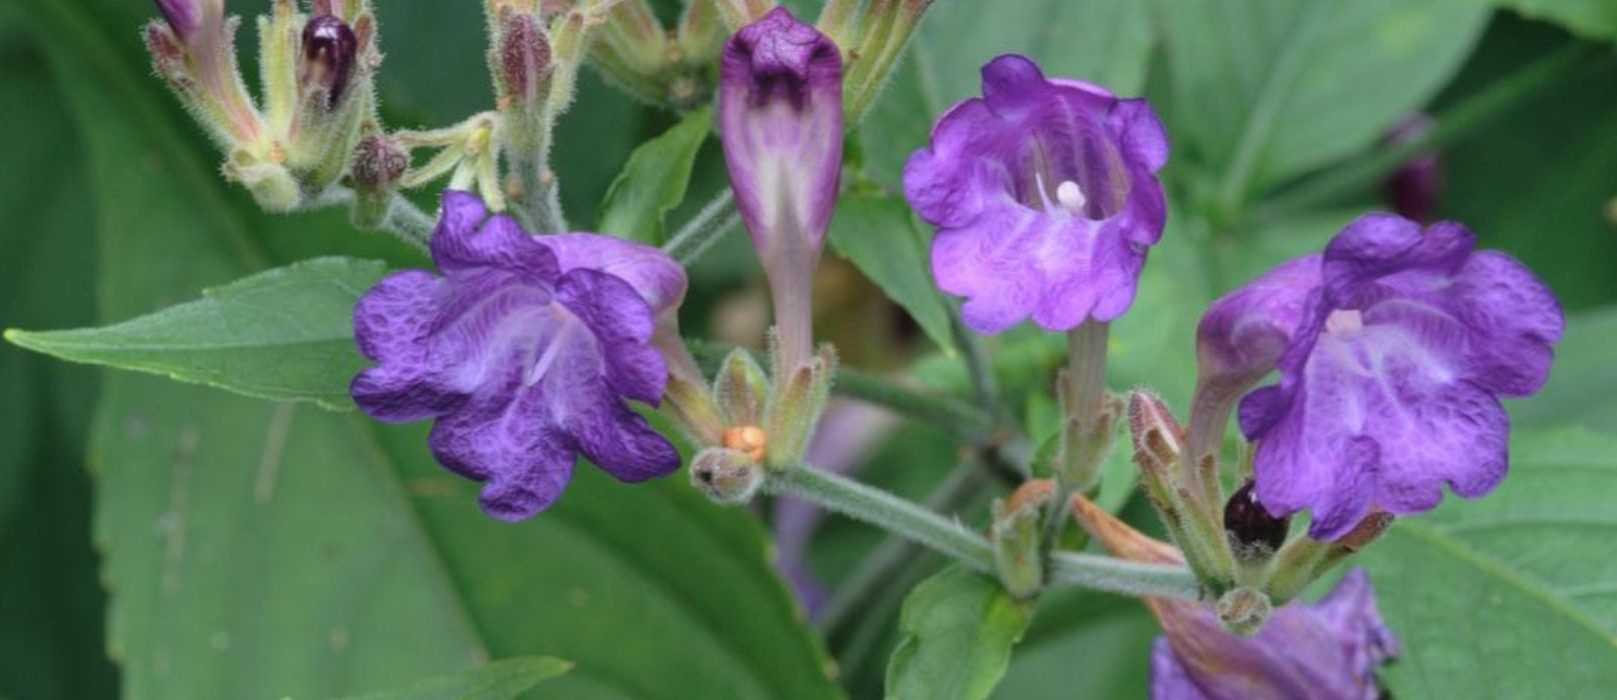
(1045,198)
(1390,381)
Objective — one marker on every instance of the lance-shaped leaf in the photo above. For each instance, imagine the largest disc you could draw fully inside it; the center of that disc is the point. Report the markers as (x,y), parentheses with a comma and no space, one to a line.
(284,334)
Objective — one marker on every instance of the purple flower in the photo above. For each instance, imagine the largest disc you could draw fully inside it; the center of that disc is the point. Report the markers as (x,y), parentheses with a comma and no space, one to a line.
(524,352)
(1327,651)
(780,120)
(1390,384)
(1045,198)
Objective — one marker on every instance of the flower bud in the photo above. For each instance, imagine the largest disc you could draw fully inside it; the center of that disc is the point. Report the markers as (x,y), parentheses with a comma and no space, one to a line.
(1244,610)
(1015,534)
(1192,522)
(1414,188)
(520,58)
(193,49)
(329,52)
(1254,534)
(727,476)
(741,388)
(780,122)
(185,16)
(378,163)
(795,406)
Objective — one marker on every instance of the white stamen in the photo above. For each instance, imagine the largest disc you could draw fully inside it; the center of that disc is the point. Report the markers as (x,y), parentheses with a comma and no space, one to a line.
(1344,321)
(1070,196)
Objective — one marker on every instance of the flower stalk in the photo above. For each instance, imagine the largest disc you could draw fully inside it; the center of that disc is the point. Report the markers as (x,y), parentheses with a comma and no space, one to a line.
(951,538)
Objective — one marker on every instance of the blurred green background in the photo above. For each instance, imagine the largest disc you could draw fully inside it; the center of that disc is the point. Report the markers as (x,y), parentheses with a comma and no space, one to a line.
(217,546)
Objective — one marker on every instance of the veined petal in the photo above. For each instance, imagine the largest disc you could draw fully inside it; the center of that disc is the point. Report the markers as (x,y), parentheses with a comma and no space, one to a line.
(467,238)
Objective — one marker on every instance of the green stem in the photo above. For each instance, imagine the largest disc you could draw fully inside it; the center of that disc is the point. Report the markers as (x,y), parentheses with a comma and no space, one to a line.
(715,219)
(882,509)
(979,367)
(884,563)
(951,538)
(1125,577)
(404,219)
(408,222)
(958,417)
(1454,123)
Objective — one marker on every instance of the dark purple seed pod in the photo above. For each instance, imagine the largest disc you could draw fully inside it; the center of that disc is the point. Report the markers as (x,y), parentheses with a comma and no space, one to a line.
(329,50)
(1249,523)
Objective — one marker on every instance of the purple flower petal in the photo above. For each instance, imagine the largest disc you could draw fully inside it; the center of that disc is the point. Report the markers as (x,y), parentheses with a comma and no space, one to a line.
(524,366)
(1045,198)
(1327,651)
(468,239)
(780,119)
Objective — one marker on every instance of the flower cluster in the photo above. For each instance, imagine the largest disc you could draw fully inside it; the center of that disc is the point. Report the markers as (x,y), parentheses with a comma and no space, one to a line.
(1393,346)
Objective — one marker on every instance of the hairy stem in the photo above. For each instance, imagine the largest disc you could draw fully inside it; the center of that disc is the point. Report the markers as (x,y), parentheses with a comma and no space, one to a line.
(716,218)
(953,539)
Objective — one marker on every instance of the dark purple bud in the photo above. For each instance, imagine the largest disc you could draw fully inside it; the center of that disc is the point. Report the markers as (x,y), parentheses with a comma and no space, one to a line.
(183,16)
(1250,524)
(1414,189)
(378,163)
(524,55)
(329,48)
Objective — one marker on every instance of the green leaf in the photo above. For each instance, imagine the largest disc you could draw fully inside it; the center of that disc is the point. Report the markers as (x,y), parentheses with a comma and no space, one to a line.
(1264,90)
(1083,644)
(500,680)
(653,182)
(250,545)
(1095,40)
(1507,596)
(284,334)
(878,235)
(959,627)
(1592,19)
(52,640)
(1536,182)
(1583,379)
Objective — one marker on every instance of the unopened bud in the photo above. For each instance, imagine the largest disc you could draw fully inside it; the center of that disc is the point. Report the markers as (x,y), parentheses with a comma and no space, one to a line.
(185,16)
(523,58)
(329,51)
(741,388)
(379,162)
(1015,535)
(1254,534)
(795,406)
(1244,610)
(1414,189)
(727,476)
